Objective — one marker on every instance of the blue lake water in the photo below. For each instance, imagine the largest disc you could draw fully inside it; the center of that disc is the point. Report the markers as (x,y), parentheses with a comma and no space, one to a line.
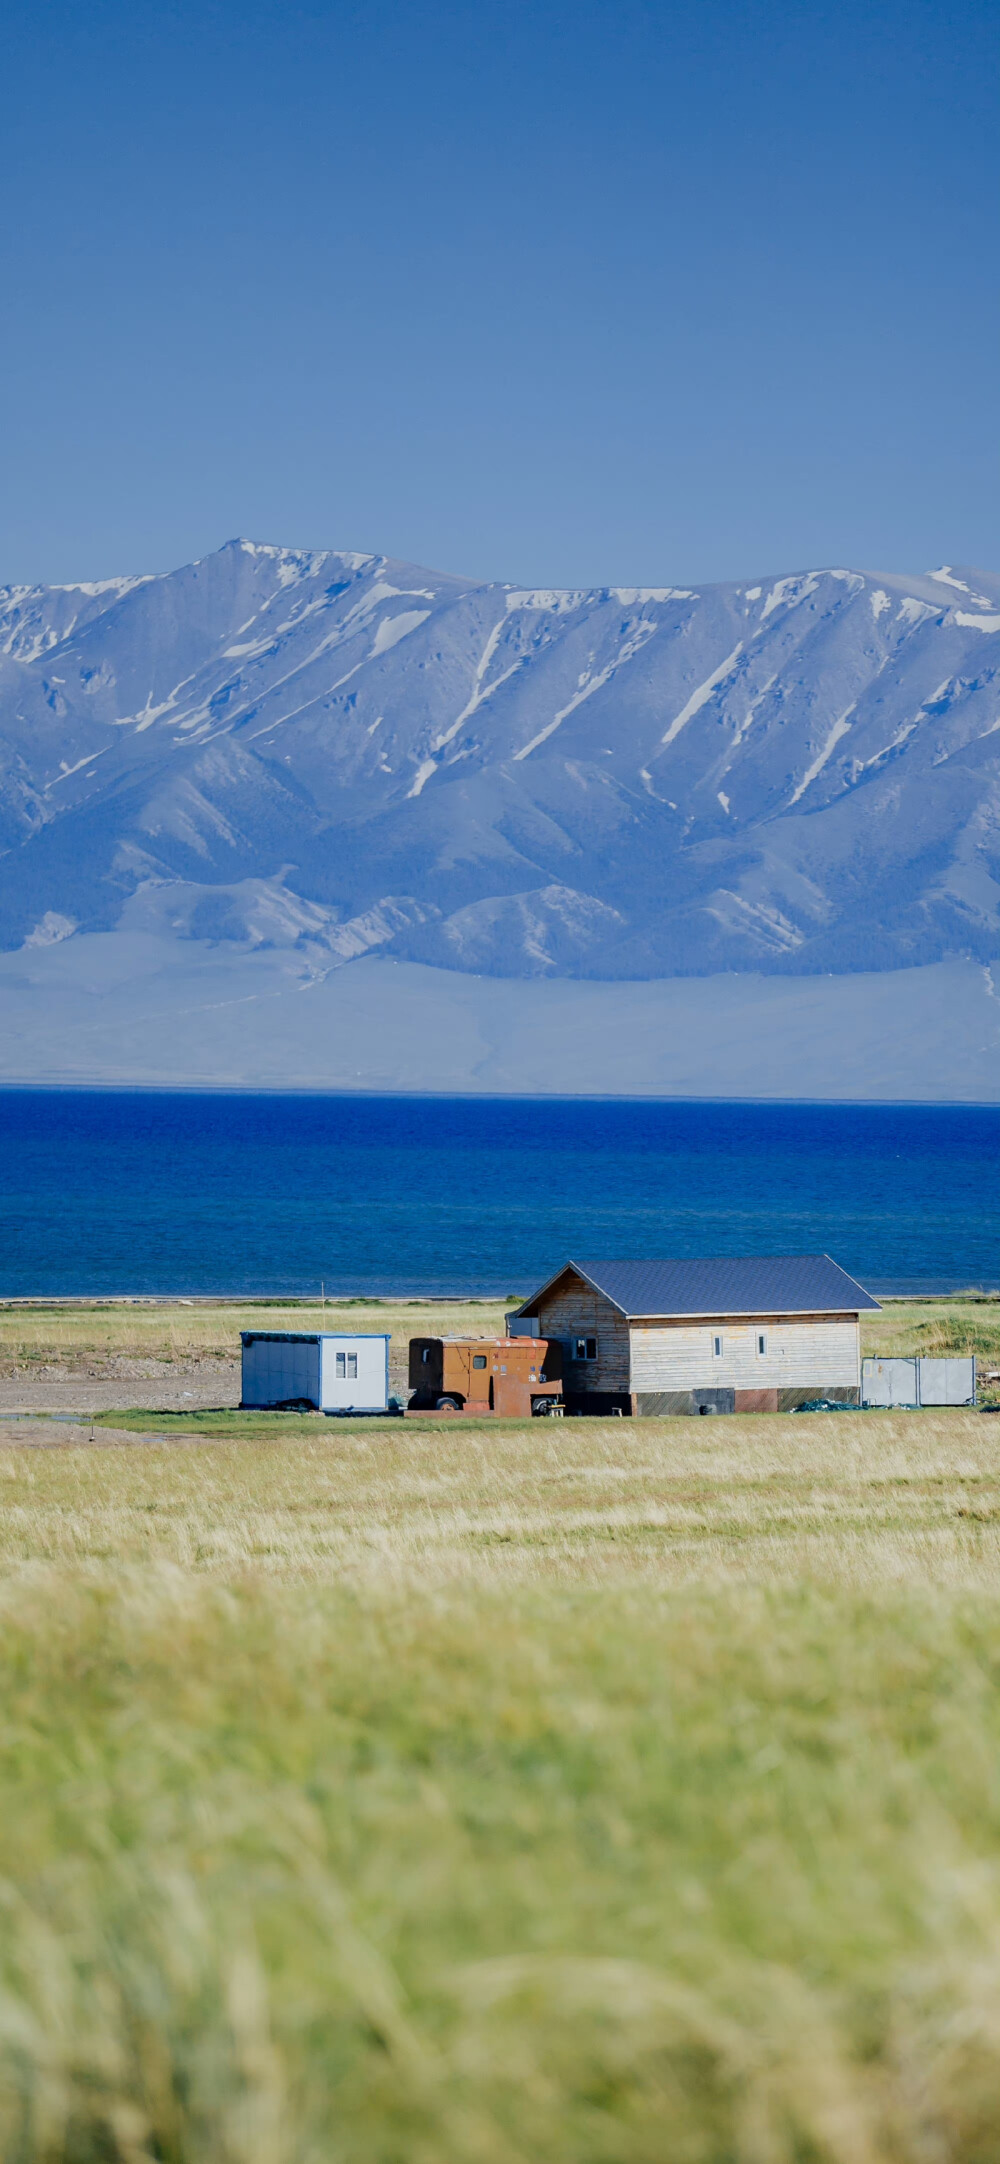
(178,1192)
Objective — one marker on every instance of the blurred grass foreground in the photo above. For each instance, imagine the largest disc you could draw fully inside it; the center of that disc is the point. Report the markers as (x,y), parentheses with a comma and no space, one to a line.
(579,1795)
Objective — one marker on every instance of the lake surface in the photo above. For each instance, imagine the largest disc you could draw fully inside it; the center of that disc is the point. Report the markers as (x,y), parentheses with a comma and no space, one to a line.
(178,1192)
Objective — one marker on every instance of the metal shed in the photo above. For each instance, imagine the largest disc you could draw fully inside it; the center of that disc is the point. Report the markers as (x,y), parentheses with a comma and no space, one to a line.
(919,1380)
(336,1371)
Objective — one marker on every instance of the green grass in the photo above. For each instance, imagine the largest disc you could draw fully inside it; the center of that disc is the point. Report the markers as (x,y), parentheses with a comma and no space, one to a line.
(581,1793)
(231,1426)
(254,1427)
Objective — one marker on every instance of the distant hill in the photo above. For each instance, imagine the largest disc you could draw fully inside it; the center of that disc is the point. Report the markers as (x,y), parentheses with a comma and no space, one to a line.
(333,753)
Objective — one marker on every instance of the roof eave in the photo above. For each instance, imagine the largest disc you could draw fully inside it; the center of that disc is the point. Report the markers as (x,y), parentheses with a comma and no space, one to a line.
(529,1306)
(727,1314)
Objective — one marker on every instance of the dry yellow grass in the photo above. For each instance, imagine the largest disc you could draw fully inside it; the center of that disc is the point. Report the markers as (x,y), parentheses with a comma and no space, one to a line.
(858,1499)
(580,1793)
(69,1334)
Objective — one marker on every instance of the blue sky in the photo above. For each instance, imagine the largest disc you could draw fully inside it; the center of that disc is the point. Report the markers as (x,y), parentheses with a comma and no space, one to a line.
(566,294)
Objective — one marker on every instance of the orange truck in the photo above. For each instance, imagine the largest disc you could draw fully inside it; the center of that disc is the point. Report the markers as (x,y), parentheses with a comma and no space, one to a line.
(516,1376)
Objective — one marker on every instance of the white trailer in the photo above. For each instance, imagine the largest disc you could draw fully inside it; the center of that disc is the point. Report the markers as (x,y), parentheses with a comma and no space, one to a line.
(336,1371)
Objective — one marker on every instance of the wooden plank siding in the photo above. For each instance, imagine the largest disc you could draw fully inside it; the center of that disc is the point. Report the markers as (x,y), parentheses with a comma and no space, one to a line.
(822,1352)
(573,1309)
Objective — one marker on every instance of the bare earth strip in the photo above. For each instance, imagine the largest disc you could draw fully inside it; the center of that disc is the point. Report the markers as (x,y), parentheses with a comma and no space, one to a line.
(33,1432)
(171,1386)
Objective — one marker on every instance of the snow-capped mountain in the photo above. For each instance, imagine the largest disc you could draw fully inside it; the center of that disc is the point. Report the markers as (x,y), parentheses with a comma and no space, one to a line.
(339,753)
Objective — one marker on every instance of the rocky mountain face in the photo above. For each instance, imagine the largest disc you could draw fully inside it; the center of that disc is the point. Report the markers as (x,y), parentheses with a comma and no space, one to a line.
(338,754)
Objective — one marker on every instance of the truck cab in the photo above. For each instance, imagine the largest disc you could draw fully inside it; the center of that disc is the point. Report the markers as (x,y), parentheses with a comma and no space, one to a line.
(518,1377)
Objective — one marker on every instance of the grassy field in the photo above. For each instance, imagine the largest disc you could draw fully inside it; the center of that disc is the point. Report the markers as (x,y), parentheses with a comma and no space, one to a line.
(81,1333)
(937,1327)
(576,1793)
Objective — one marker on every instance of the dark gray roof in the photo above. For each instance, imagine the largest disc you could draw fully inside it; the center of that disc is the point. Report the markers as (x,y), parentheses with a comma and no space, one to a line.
(726,1285)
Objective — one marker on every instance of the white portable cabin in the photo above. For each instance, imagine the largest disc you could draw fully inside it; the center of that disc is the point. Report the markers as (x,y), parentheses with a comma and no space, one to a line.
(337,1371)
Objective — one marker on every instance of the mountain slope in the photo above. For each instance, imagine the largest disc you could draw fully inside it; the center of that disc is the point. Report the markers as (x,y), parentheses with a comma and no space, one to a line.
(337,753)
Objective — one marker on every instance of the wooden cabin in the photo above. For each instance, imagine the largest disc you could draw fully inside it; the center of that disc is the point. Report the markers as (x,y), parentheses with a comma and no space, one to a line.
(717,1334)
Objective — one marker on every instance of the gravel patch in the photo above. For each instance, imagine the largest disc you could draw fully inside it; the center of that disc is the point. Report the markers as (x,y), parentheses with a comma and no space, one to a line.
(174,1386)
(31,1433)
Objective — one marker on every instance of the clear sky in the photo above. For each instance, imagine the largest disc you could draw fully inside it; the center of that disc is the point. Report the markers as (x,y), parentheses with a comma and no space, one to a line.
(562,293)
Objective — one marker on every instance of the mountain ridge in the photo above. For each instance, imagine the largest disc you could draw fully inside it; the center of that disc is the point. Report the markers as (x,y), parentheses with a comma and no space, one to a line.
(334,753)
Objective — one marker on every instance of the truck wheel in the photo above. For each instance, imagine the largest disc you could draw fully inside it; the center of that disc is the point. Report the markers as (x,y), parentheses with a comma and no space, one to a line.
(541,1408)
(448,1405)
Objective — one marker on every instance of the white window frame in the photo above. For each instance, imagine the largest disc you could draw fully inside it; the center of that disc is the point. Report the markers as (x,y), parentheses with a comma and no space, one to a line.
(718,1345)
(762,1344)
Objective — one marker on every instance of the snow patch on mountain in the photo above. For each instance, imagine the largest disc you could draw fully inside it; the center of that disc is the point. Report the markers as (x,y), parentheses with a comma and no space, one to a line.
(840,729)
(549,600)
(788,594)
(394,628)
(704,692)
(50,930)
(944,578)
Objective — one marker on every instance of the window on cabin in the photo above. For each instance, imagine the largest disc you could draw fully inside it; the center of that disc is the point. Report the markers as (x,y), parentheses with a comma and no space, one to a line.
(341,1367)
(479,1360)
(717,1348)
(761,1343)
(425,1355)
(352,1367)
(586,1348)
